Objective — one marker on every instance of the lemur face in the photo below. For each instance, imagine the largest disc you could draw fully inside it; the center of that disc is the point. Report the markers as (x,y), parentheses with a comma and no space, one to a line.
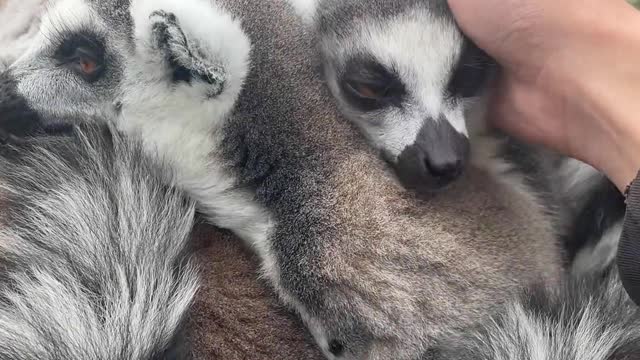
(97,59)
(409,80)
(75,66)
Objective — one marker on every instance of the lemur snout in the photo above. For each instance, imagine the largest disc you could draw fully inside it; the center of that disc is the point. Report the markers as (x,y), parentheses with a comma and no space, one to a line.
(436,159)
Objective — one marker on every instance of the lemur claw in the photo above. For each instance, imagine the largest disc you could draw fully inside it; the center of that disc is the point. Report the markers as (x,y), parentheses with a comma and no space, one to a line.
(183,54)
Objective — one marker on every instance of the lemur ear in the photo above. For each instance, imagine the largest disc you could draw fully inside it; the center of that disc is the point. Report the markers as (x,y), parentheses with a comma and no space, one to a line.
(305,9)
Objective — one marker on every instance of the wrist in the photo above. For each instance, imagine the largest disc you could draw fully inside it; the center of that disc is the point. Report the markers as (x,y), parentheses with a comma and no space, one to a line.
(607,85)
(620,158)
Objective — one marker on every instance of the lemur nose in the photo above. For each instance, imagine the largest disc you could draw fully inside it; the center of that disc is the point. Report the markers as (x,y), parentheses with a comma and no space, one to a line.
(445,169)
(437,158)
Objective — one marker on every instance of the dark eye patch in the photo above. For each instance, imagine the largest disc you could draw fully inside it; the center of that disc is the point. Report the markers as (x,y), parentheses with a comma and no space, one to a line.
(84,53)
(369,85)
(470,73)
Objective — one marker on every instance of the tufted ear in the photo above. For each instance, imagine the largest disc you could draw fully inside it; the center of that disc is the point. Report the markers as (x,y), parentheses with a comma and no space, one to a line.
(306,9)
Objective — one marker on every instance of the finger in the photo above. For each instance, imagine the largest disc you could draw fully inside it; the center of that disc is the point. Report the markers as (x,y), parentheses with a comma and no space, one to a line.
(478,20)
(523,111)
(512,31)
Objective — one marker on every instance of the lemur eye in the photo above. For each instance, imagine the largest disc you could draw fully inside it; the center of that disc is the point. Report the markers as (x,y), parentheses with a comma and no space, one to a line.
(88,65)
(367,90)
(84,55)
(368,85)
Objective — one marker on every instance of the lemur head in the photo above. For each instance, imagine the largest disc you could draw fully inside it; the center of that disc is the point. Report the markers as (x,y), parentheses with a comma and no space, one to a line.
(405,75)
(91,58)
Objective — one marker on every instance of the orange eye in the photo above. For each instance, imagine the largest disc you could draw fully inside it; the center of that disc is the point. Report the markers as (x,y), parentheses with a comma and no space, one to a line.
(84,54)
(88,66)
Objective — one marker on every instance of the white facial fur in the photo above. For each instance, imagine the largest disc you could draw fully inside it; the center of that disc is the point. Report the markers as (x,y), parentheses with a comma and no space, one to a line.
(306,9)
(423,54)
(20,25)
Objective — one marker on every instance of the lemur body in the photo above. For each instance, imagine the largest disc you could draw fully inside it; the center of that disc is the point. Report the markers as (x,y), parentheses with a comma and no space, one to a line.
(373,271)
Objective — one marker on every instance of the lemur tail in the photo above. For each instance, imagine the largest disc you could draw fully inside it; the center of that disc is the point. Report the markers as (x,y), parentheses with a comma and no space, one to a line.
(589,318)
(93,251)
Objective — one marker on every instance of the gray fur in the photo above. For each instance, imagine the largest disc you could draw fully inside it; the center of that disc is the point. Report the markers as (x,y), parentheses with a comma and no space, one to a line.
(590,317)
(338,16)
(93,251)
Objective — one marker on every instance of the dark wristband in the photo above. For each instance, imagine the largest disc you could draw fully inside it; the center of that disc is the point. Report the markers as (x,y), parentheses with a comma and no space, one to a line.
(628,257)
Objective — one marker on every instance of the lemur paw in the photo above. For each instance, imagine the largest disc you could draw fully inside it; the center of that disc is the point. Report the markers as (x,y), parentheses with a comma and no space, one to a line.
(184,54)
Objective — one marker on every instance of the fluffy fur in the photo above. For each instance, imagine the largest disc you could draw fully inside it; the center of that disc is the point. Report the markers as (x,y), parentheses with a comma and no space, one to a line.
(235,316)
(589,318)
(373,271)
(187,132)
(93,251)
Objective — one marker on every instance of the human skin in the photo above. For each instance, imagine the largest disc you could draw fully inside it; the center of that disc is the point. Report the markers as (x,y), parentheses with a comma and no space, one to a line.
(569,75)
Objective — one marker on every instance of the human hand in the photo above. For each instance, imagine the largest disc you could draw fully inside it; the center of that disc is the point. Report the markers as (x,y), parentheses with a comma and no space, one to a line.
(569,75)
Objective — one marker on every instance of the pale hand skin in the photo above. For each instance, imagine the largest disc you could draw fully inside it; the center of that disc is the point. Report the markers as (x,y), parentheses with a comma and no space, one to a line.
(571,75)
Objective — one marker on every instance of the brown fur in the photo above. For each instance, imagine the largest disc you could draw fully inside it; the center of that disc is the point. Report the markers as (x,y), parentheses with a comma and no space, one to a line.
(235,315)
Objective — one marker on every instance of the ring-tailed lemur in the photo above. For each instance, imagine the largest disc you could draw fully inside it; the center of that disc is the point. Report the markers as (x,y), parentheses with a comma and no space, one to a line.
(94,255)
(374,272)
(404,73)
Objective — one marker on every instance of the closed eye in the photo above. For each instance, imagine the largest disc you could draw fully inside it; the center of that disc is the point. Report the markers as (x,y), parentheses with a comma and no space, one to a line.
(368,85)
